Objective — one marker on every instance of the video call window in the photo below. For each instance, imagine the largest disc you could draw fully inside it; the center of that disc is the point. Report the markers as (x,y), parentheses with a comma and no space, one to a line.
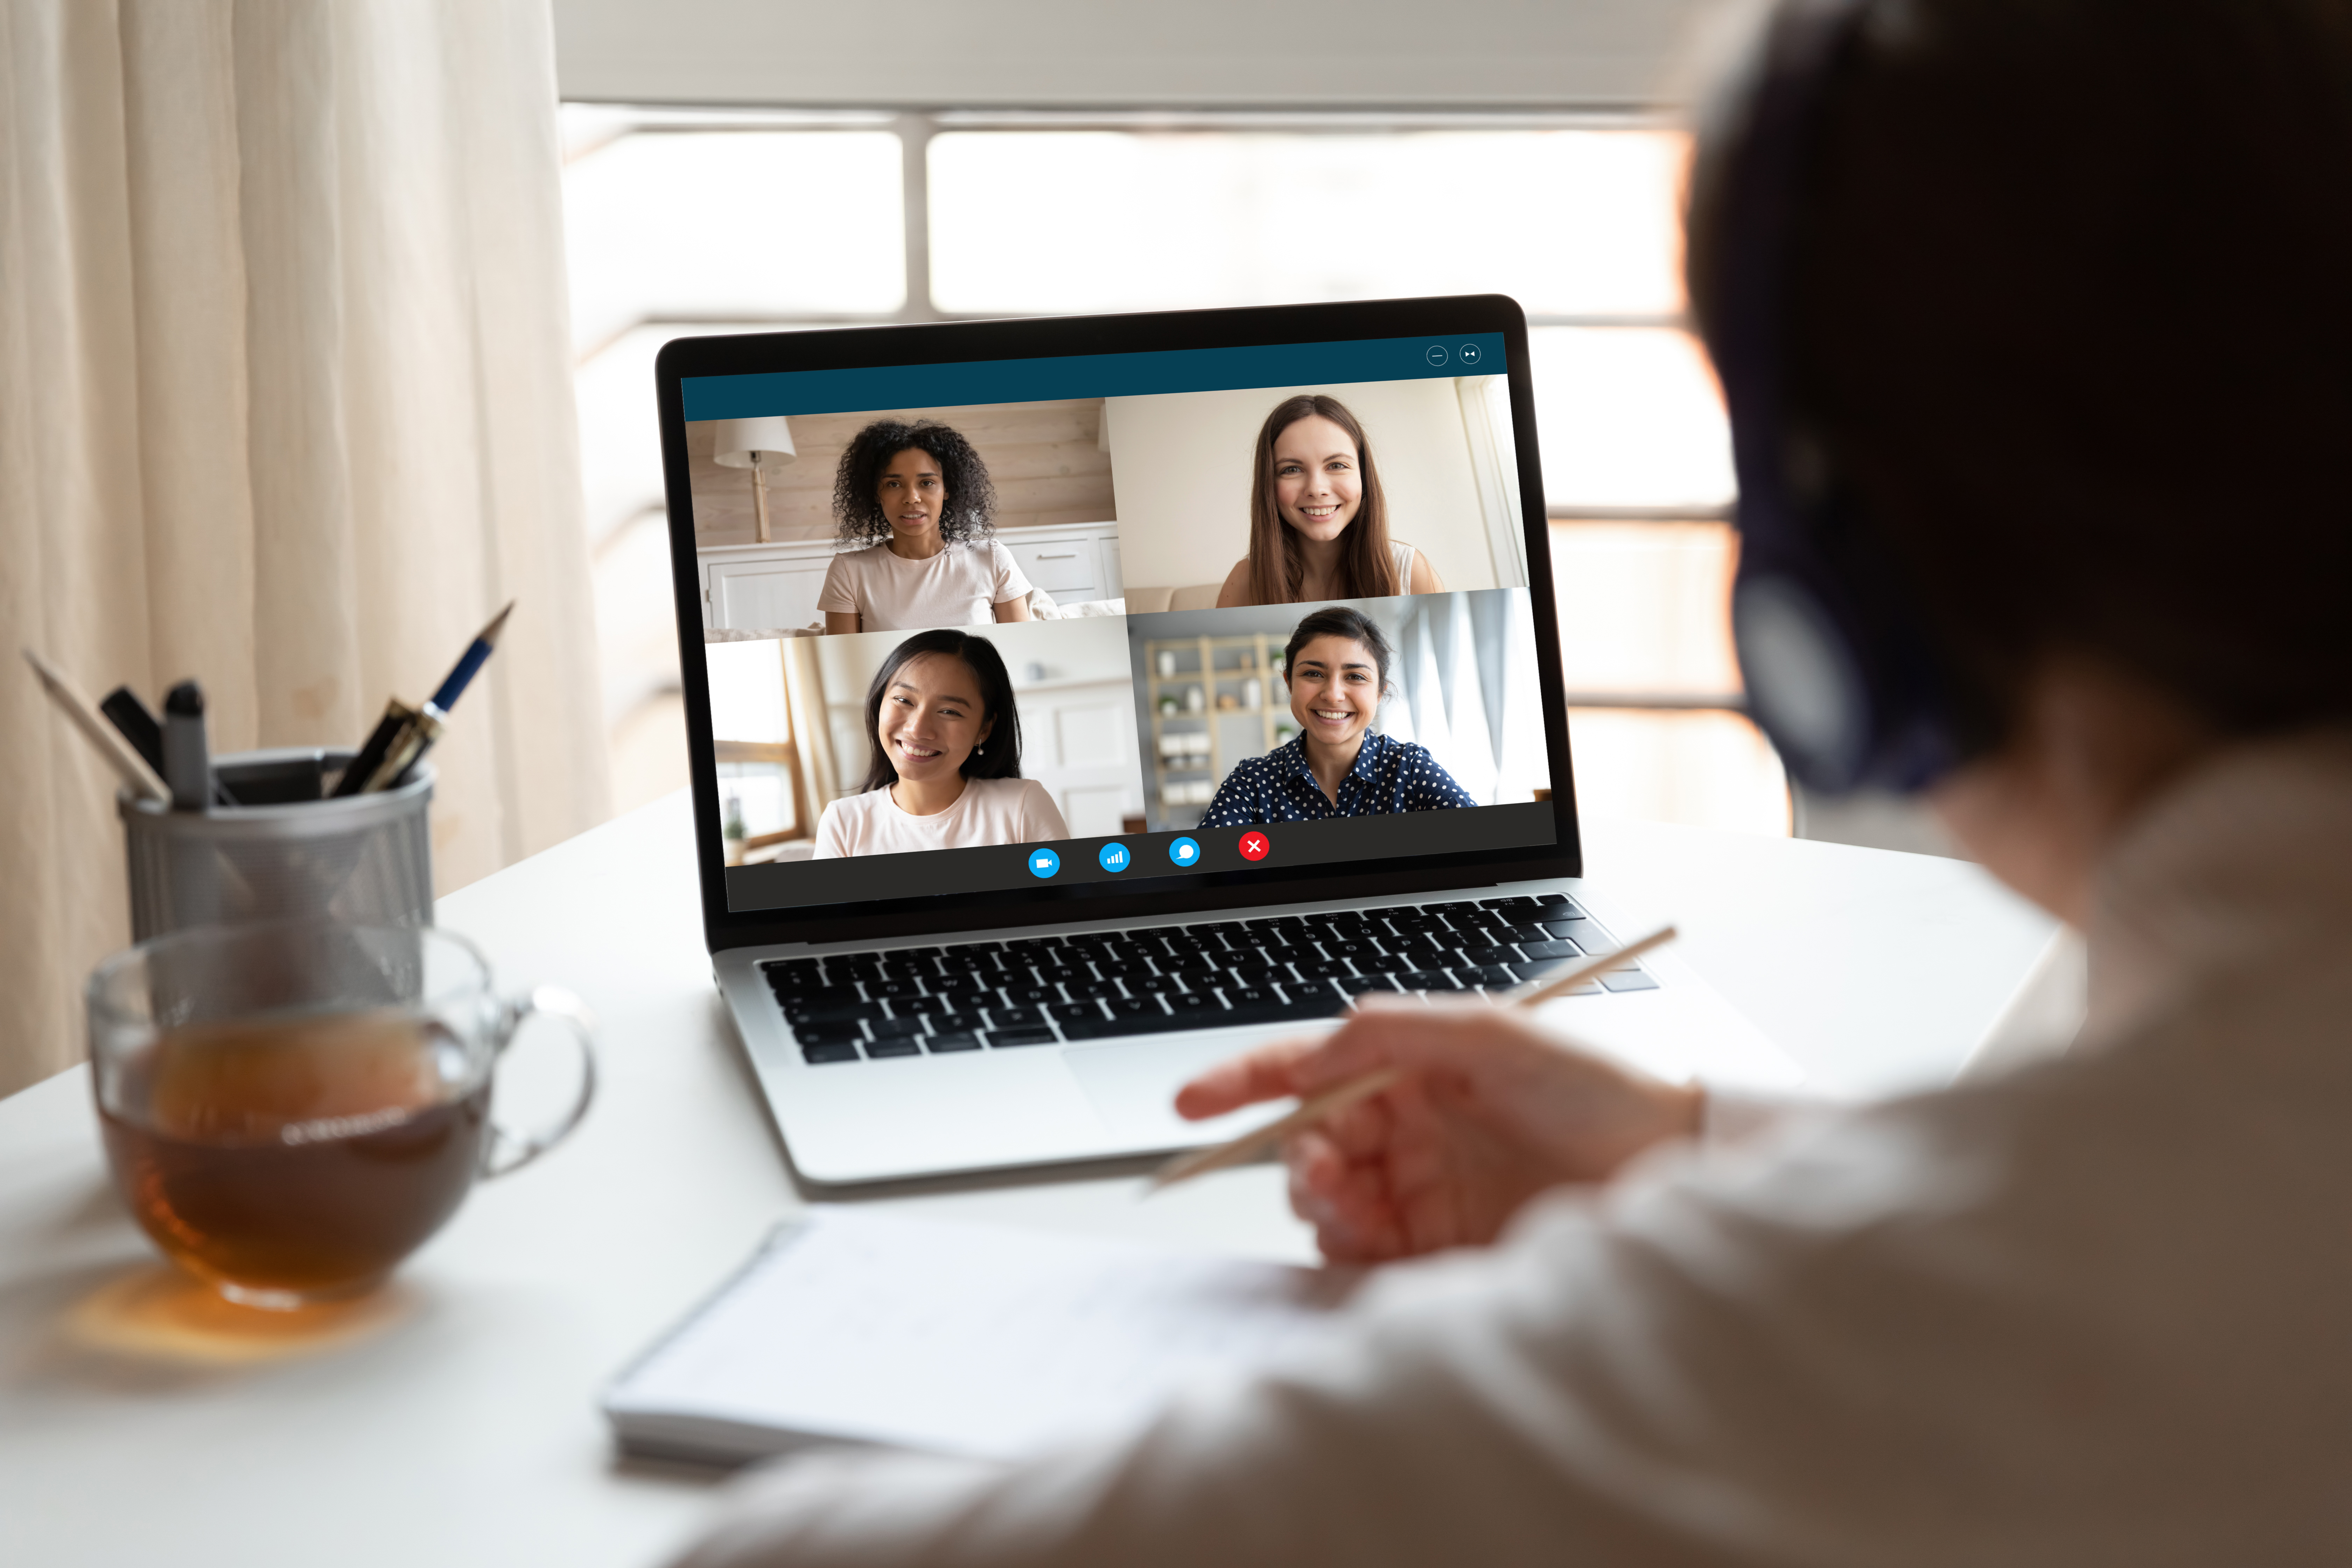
(791,736)
(957,625)
(1461,692)
(900,518)
(1292,494)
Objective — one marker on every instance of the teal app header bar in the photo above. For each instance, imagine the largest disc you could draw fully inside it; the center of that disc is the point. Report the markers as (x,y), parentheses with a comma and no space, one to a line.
(1089,375)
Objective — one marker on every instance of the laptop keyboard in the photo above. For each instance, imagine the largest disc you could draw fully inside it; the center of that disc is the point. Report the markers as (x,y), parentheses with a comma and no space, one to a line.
(1046,990)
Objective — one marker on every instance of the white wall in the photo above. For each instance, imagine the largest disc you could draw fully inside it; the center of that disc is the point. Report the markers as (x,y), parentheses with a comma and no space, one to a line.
(1180,467)
(747,692)
(1207,54)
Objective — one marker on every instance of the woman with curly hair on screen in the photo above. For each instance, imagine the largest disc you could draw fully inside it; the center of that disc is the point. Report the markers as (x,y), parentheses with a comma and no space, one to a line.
(917,499)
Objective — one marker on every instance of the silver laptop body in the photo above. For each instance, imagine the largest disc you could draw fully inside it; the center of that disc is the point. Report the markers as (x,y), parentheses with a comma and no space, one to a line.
(994,1001)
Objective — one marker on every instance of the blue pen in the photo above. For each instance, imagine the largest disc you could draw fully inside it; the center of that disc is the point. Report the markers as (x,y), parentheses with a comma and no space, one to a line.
(407,735)
(469,662)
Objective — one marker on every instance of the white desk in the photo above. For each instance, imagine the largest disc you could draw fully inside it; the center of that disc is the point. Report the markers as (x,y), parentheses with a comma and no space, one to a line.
(460,1426)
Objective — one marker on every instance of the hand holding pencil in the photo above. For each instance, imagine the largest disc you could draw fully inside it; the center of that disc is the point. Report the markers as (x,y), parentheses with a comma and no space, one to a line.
(1485,1110)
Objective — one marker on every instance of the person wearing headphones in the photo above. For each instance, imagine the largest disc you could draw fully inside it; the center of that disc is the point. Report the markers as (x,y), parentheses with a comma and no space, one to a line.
(2031,322)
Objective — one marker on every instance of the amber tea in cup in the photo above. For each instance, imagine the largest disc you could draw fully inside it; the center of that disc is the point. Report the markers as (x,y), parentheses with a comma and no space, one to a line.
(291,1108)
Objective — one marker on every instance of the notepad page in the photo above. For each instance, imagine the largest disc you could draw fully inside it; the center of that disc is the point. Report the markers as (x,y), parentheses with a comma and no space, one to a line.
(960,1339)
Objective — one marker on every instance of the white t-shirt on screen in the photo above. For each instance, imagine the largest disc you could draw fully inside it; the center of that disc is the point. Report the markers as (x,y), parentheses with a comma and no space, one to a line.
(990,811)
(959,587)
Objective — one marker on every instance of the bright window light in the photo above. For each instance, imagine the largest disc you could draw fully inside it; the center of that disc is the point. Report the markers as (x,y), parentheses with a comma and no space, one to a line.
(1629,417)
(1704,769)
(686,225)
(1566,222)
(1644,608)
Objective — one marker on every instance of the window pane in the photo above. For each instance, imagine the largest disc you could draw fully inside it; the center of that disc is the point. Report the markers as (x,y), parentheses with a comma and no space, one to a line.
(1629,417)
(620,429)
(760,793)
(1564,221)
(648,751)
(620,423)
(714,222)
(1706,769)
(637,619)
(1644,607)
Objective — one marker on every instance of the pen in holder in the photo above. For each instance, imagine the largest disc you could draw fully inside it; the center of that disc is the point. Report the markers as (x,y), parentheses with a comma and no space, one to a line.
(285,851)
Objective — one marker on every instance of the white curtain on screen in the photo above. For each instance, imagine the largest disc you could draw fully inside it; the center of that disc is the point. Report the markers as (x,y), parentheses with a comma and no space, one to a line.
(285,406)
(1466,668)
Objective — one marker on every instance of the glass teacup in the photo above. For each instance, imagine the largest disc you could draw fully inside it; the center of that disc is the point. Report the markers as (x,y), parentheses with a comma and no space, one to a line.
(292,1107)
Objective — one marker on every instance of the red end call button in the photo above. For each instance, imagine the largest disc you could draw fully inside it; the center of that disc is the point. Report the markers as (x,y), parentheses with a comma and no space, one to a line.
(1254,847)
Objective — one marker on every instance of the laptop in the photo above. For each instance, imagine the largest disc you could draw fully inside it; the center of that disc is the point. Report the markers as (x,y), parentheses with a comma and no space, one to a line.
(1075,704)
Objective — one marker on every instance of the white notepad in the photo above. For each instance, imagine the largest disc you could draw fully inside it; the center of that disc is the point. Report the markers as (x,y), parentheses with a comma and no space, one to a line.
(852,1325)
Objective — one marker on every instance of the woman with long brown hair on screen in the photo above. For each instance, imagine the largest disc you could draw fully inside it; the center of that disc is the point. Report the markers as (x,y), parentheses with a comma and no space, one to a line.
(1319,522)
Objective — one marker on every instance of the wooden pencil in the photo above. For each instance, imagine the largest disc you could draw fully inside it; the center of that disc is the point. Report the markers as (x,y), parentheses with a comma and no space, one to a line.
(118,752)
(1251,1144)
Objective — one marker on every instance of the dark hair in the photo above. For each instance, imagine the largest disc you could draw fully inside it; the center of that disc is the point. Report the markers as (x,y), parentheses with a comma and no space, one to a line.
(1277,570)
(1339,620)
(999,756)
(970,508)
(2067,310)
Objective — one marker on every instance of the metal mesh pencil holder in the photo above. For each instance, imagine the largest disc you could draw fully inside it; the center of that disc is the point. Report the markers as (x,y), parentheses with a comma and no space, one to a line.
(284,852)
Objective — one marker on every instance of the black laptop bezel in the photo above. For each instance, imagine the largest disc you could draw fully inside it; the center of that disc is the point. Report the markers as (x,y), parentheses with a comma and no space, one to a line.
(1040,337)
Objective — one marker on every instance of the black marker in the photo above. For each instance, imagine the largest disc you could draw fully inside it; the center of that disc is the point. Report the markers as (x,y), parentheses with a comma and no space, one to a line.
(187,752)
(128,714)
(139,726)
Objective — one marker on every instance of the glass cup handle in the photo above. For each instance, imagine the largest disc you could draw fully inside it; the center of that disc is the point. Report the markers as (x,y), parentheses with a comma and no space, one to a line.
(508,1152)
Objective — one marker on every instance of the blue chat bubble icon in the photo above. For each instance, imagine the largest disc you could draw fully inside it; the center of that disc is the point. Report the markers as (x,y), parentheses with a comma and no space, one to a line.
(1184,852)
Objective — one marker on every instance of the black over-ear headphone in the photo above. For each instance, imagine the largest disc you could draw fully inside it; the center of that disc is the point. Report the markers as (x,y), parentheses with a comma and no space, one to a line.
(1837,673)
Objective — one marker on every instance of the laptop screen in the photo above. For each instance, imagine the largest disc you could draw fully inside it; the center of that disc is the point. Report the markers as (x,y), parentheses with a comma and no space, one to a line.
(1118,621)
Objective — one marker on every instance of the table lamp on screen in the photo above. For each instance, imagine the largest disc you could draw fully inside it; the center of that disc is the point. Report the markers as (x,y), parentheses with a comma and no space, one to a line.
(758,444)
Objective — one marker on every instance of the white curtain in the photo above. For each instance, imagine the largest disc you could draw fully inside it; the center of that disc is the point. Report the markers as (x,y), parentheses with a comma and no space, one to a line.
(285,406)
(1471,693)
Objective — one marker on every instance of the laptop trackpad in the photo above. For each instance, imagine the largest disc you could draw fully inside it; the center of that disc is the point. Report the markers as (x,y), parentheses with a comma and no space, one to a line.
(1133,1085)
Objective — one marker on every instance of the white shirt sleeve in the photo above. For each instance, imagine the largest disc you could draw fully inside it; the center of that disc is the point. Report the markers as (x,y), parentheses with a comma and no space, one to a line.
(1040,818)
(1729,1116)
(831,844)
(1005,572)
(839,594)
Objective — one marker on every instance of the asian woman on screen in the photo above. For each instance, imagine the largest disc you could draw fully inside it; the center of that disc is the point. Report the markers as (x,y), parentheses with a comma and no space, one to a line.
(918,498)
(1319,522)
(945,738)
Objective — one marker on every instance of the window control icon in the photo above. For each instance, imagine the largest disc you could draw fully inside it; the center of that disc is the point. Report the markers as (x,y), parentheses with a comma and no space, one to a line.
(1254,846)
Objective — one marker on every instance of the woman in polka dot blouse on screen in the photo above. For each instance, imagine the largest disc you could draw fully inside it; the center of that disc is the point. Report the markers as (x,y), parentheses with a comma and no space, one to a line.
(1336,667)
